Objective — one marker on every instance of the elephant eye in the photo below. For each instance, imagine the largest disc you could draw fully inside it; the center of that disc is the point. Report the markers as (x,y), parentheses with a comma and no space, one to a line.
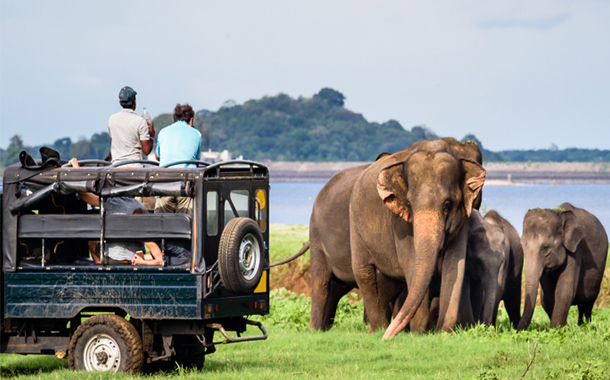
(545,249)
(447,205)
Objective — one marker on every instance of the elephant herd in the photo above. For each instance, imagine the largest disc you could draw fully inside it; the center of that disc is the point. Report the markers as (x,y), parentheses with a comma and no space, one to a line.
(407,232)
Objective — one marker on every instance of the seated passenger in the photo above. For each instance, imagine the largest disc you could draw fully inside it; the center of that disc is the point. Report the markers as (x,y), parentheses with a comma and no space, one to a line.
(178,252)
(180,141)
(120,252)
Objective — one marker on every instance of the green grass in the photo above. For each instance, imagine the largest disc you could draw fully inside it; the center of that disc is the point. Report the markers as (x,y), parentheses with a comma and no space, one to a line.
(348,351)
(286,239)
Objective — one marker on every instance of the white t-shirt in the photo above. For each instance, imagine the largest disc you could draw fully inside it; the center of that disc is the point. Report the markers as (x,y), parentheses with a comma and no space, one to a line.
(127,129)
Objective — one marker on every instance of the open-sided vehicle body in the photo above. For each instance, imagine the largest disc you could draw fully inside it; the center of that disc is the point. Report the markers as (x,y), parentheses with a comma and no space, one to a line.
(54,300)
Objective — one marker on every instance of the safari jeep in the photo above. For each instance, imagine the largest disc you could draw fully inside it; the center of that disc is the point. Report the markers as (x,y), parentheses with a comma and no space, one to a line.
(55,300)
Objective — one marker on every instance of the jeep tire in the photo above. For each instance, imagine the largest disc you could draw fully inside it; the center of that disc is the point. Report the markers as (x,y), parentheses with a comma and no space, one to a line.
(106,342)
(241,256)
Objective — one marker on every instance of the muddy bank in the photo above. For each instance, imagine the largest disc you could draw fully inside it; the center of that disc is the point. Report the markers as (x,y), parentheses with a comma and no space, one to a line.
(501,173)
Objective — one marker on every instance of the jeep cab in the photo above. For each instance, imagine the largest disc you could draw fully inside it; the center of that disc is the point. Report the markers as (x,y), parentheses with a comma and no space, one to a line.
(55,300)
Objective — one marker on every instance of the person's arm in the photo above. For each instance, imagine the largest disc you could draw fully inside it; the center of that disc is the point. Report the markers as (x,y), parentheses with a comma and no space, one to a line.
(147,146)
(147,136)
(198,154)
(156,253)
(89,198)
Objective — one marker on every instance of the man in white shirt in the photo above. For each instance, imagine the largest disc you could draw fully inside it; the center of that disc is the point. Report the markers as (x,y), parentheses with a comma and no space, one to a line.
(132,136)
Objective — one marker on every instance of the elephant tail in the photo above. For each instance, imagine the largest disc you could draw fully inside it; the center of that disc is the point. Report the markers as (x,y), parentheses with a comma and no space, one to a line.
(301,251)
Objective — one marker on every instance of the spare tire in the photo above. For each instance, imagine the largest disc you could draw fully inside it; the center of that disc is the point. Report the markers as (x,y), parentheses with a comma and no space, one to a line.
(241,255)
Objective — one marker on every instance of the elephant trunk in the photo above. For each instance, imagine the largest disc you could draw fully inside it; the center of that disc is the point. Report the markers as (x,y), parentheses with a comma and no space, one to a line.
(533,272)
(428,238)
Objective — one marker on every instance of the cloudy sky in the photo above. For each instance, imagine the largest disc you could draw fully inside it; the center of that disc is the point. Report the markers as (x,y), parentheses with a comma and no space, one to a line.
(518,74)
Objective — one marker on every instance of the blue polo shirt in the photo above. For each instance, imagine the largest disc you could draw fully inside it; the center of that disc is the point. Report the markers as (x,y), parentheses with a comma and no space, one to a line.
(178,142)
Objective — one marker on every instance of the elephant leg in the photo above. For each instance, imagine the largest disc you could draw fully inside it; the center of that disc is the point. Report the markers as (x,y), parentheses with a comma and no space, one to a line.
(563,301)
(389,291)
(433,313)
(565,292)
(512,292)
(421,319)
(584,312)
(336,290)
(547,294)
(366,277)
(466,316)
(321,276)
(512,303)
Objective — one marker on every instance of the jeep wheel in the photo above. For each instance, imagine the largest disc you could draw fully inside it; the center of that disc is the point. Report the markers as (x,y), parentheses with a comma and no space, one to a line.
(106,342)
(241,255)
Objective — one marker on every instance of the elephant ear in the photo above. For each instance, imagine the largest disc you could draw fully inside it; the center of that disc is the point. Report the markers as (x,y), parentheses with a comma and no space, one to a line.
(474,178)
(573,232)
(393,190)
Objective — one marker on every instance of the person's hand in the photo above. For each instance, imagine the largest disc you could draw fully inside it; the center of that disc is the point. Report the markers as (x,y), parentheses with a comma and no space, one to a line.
(137,260)
(151,128)
(74,163)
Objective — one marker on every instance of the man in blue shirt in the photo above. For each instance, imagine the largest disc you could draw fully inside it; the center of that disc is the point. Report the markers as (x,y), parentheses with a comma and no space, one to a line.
(178,142)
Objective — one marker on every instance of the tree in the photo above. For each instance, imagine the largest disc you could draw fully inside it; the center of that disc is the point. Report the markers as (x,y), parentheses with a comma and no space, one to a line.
(11,154)
(332,97)
(100,143)
(62,146)
(83,149)
(16,141)
(473,138)
(162,121)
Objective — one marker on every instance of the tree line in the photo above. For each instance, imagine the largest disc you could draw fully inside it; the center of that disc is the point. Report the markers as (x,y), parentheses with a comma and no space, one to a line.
(281,128)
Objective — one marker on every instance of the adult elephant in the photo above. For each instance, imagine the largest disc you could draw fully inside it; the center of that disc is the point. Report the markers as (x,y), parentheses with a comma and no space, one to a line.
(409,215)
(329,235)
(565,252)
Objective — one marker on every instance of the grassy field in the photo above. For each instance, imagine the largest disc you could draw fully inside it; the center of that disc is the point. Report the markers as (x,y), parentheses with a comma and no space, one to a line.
(348,351)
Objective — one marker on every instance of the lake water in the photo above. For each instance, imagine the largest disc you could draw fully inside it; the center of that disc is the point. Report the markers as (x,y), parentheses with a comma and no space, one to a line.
(291,203)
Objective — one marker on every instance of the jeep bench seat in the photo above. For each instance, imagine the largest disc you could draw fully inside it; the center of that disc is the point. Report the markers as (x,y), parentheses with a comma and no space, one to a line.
(88,226)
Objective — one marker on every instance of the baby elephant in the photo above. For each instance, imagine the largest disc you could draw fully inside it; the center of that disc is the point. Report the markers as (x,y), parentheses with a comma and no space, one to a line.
(494,261)
(565,252)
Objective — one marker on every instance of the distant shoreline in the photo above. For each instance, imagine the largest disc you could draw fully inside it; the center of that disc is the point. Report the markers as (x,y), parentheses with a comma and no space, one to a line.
(498,174)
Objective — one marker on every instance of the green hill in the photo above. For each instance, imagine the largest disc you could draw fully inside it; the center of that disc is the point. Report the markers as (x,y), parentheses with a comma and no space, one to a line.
(319,128)
(281,128)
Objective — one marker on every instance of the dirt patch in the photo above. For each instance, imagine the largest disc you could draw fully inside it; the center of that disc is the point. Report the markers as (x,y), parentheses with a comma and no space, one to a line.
(294,276)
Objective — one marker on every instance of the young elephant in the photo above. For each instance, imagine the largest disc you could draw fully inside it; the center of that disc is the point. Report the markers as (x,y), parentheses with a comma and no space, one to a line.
(494,262)
(487,258)
(565,252)
(512,287)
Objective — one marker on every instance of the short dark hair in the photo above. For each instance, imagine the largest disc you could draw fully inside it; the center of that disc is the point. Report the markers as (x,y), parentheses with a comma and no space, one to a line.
(126,103)
(183,112)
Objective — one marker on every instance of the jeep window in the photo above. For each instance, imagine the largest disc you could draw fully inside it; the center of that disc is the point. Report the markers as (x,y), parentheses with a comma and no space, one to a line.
(238,200)
(212,213)
(261,209)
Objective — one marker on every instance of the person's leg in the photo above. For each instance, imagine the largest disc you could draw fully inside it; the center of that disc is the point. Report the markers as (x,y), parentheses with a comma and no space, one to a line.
(165,205)
(94,249)
(184,205)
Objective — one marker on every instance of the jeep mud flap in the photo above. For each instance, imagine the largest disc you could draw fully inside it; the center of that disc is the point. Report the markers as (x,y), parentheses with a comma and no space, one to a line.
(230,339)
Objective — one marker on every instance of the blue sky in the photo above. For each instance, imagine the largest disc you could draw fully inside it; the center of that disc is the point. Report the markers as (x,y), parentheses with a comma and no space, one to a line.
(517,74)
